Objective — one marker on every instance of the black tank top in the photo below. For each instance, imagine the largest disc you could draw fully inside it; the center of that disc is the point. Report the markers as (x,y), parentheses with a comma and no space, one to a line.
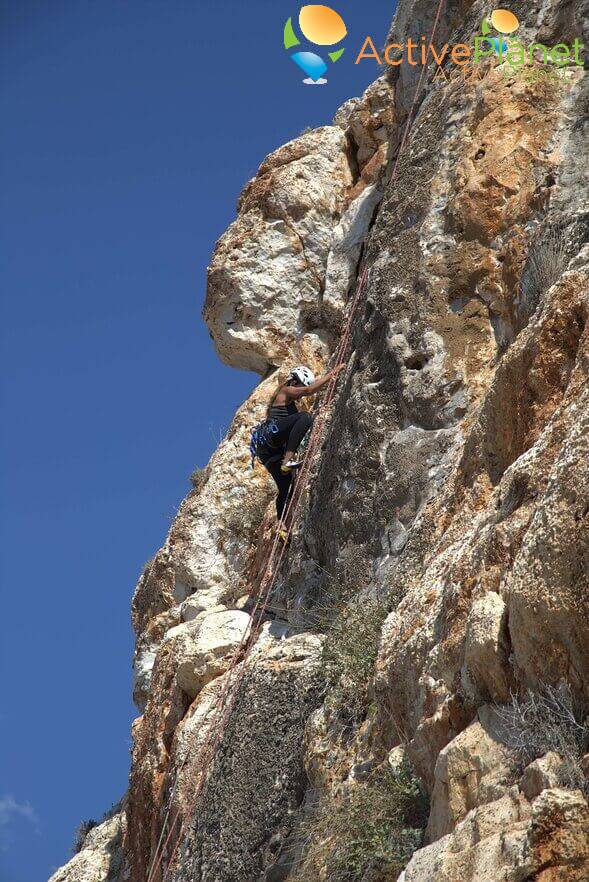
(277,411)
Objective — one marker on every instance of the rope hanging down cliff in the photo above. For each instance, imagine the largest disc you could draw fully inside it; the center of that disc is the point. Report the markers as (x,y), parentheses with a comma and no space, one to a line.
(269,571)
(238,666)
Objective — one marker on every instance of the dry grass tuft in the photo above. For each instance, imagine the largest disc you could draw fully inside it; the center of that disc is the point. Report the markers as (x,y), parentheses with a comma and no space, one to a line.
(369,832)
(81,833)
(546,261)
(545,721)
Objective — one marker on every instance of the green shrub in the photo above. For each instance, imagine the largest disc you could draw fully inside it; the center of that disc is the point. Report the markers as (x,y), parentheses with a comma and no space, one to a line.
(198,478)
(349,655)
(372,828)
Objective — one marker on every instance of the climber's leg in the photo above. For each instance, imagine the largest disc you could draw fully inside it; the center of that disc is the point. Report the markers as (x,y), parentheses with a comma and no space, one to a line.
(301,425)
(283,482)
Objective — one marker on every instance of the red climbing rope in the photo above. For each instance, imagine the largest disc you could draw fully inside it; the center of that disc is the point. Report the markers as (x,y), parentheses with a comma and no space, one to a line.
(238,665)
(269,571)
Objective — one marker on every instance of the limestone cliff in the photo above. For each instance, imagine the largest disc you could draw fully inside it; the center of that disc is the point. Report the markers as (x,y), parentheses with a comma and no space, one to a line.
(417,700)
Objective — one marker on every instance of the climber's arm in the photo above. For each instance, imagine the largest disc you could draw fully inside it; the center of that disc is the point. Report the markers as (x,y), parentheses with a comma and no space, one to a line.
(293,392)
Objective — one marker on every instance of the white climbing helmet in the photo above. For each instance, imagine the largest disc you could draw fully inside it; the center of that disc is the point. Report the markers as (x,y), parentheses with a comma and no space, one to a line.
(303,374)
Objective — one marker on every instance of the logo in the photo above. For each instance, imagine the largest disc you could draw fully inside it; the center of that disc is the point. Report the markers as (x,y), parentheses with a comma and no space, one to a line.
(321,26)
(513,55)
(505,22)
(514,52)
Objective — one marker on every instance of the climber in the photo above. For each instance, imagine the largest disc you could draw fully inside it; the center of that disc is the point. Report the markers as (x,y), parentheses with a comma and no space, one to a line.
(285,427)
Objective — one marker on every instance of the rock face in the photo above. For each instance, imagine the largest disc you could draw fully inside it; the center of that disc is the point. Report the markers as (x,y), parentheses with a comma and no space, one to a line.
(450,495)
(510,840)
(541,775)
(99,859)
(203,648)
(258,781)
(473,769)
(265,282)
(208,548)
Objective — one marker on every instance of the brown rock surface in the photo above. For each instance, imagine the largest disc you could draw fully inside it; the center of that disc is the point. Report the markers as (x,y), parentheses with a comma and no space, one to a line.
(509,840)
(473,769)
(540,775)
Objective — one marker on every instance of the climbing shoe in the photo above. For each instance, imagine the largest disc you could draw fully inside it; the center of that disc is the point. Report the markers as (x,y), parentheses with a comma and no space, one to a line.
(284,536)
(290,466)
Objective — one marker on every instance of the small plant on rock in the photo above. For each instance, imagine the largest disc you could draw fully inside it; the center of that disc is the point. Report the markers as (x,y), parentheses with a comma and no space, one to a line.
(198,478)
(547,260)
(349,656)
(545,721)
(81,833)
(369,832)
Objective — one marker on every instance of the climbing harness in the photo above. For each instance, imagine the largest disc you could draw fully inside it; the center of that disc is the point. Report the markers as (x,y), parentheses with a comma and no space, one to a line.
(262,436)
(235,674)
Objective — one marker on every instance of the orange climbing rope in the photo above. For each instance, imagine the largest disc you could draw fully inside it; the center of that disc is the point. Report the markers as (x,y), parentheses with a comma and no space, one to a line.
(228,696)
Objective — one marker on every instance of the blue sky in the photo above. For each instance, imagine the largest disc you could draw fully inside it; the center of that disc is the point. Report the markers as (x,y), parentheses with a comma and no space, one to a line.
(129,128)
